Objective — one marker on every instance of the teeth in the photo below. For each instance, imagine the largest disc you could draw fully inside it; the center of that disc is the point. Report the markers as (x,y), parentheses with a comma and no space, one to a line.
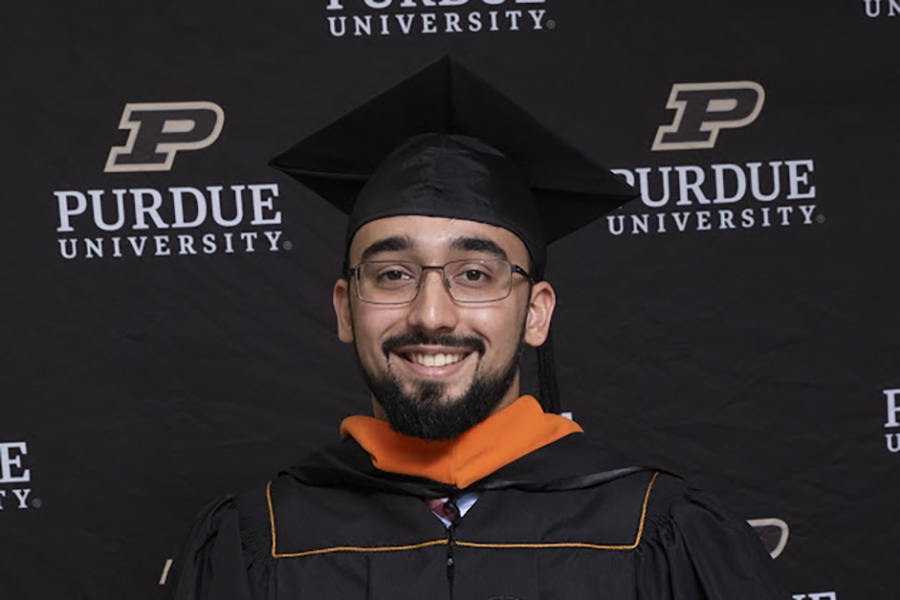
(435,360)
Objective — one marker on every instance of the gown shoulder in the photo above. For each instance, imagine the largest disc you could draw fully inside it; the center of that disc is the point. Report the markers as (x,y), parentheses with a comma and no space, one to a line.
(693,548)
(226,554)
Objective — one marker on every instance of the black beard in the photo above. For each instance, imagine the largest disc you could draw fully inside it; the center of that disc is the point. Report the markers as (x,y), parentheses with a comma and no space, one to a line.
(428,414)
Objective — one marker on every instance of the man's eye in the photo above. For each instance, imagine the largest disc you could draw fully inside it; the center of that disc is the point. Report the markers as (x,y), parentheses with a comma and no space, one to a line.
(393,276)
(473,277)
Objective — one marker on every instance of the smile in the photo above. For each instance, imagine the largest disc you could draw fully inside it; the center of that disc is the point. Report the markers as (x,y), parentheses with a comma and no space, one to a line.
(434,360)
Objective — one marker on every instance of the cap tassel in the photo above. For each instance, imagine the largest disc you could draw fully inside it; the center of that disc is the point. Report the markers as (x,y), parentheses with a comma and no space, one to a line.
(549,390)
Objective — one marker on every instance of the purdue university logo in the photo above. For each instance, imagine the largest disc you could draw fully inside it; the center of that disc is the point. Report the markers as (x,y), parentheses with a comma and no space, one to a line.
(13,472)
(893,420)
(704,109)
(138,221)
(873,8)
(159,130)
(717,193)
(774,534)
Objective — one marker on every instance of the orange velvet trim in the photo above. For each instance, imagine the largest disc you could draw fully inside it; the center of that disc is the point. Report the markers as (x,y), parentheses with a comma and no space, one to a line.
(515,431)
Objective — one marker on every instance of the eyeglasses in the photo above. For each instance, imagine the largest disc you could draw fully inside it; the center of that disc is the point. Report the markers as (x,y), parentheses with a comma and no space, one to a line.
(468,281)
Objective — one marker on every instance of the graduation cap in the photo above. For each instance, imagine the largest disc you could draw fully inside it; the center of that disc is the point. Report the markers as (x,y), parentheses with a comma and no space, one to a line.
(444,143)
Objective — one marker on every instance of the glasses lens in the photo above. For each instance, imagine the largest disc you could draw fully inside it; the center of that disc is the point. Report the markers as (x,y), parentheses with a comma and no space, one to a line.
(478,280)
(388,282)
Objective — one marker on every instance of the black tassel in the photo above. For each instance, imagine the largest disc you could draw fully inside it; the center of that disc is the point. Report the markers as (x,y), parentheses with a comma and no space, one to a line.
(549,391)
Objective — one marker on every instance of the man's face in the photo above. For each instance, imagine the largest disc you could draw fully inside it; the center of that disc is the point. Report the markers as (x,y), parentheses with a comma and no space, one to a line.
(435,366)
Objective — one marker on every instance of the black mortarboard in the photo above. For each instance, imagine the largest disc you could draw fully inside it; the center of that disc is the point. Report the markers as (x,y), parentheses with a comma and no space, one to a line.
(444,143)
(483,156)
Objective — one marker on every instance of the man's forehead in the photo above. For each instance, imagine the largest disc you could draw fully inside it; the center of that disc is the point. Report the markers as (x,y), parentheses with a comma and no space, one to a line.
(435,234)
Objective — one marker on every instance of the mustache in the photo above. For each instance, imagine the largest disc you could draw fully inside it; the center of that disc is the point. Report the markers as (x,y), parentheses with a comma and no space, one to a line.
(420,338)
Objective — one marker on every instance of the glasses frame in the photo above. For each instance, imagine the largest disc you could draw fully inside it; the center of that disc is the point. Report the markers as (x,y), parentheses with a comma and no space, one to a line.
(513,268)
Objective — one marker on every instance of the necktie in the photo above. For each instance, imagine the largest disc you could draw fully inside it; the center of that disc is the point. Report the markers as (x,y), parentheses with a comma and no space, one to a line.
(444,508)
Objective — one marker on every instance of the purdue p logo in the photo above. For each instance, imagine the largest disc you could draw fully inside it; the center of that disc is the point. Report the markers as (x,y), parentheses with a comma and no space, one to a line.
(159,130)
(706,108)
(774,534)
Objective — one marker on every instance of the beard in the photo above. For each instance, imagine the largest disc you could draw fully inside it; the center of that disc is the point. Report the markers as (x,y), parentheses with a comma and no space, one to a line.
(428,413)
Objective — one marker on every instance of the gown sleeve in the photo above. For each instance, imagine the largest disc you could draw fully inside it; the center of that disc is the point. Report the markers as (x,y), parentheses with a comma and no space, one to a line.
(224,555)
(694,549)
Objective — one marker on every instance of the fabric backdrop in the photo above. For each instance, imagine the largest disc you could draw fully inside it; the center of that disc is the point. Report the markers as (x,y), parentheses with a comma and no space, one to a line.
(168,334)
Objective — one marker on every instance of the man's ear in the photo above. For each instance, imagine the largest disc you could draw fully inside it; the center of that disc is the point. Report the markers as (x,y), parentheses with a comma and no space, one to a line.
(341,300)
(540,311)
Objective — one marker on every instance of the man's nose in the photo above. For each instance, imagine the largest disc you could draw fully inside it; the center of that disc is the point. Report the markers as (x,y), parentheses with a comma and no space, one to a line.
(434,308)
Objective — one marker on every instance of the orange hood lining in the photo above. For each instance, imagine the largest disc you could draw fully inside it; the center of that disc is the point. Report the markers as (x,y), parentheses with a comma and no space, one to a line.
(517,430)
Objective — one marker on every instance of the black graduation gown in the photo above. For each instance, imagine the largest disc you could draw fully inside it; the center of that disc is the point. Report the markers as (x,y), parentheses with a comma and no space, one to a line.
(567,522)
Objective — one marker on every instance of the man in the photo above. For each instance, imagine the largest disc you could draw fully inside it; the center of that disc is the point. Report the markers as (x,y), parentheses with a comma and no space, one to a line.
(459,487)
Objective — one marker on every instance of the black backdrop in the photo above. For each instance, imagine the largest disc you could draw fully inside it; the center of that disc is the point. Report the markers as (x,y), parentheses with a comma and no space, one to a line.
(151,363)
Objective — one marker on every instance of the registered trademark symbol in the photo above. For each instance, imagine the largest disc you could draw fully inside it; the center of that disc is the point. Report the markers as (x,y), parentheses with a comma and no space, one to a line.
(287,245)
(36,503)
(551,24)
(820,219)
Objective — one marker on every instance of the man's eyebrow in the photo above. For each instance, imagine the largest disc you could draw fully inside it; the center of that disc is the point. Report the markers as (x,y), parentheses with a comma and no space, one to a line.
(388,244)
(477,244)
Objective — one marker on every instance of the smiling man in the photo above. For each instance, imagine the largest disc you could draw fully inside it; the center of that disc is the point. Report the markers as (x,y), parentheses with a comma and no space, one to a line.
(459,486)
(442,310)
